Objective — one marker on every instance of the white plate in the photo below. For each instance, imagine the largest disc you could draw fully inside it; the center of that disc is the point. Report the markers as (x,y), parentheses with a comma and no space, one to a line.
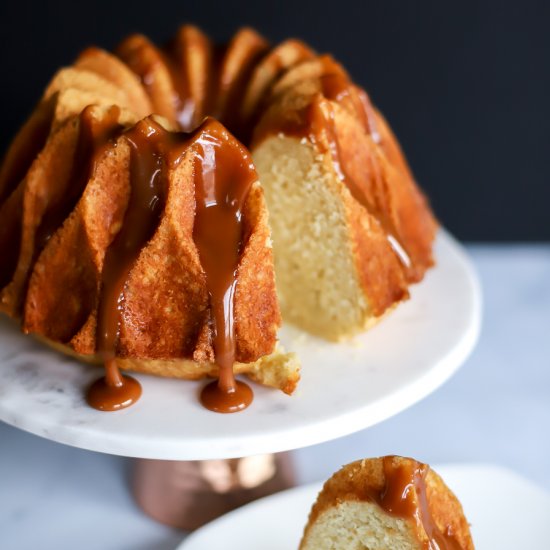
(344,387)
(505,512)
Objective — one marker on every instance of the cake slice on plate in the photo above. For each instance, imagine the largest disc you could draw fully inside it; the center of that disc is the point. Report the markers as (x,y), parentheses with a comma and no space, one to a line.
(388,503)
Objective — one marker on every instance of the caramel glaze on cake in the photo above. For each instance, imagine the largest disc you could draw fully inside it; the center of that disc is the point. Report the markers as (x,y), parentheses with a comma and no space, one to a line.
(389,502)
(134,229)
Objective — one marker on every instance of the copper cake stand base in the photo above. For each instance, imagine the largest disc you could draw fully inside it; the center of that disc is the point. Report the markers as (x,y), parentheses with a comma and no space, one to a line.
(188,494)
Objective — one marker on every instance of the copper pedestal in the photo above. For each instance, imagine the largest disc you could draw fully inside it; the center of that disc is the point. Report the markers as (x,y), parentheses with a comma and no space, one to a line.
(188,494)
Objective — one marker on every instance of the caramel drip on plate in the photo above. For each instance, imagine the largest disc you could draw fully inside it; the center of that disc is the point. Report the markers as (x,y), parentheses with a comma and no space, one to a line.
(404,495)
(222,182)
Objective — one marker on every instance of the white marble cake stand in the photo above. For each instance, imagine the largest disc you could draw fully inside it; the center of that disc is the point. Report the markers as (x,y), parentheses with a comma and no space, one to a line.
(344,387)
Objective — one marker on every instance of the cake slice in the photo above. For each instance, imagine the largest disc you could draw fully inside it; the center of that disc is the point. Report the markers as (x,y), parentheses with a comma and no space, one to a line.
(389,503)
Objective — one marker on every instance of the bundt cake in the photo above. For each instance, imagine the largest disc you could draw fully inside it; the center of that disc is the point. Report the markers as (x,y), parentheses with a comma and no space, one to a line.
(135,230)
(389,503)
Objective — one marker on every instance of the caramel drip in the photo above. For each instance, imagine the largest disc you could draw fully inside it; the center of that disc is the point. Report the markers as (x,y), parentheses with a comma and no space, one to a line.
(147,197)
(404,495)
(222,178)
(222,182)
(94,135)
(113,391)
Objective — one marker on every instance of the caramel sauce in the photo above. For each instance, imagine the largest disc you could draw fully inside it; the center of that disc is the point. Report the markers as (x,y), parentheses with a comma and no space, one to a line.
(113,391)
(404,496)
(337,87)
(222,178)
(217,400)
(222,182)
(146,202)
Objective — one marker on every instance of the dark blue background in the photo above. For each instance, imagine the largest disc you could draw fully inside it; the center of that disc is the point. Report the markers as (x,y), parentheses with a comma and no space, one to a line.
(466,85)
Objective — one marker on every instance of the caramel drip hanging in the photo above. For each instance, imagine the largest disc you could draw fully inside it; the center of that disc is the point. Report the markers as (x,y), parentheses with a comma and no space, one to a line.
(147,196)
(222,182)
(404,495)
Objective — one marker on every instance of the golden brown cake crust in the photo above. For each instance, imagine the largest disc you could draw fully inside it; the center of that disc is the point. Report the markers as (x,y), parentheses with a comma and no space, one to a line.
(359,480)
(115,71)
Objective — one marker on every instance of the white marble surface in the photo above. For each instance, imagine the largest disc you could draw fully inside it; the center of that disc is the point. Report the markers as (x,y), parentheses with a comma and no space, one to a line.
(42,391)
(496,409)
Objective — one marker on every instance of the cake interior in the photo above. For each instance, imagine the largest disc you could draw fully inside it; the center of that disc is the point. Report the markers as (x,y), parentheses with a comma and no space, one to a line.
(313,257)
(353,525)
